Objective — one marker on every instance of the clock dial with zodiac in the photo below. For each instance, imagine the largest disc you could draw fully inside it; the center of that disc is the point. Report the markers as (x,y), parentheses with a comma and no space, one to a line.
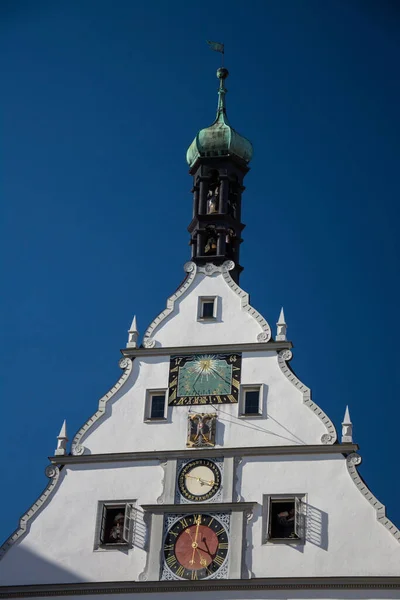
(204,379)
(199,480)
(196,546)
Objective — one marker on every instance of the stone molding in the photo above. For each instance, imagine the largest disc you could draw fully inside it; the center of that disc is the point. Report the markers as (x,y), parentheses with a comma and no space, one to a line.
(163,455)
(190,269)
(77,449)
(53,472)
(196,507)
(270,346)
(265,334)
(327,438)
(209,269)
(352,461)
(153,587)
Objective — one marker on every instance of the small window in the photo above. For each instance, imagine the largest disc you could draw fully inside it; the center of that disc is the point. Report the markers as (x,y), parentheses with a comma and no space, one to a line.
(115,525)
(156,405)
(207,309)
(251,401)
(285,519)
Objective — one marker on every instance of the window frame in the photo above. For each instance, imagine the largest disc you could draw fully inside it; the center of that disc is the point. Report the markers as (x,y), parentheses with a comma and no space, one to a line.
(242,400)
(300,506)
(205,300)
(148,404)
(128,507)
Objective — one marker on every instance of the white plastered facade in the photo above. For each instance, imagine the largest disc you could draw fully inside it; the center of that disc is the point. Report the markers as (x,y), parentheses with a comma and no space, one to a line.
(346,531)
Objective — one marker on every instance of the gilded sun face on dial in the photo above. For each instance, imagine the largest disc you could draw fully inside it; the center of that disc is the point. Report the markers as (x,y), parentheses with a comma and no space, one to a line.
(199,480)
(204,379)
(196,546)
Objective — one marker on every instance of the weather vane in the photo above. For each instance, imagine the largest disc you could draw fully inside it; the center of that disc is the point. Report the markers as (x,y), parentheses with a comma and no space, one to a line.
(217,47)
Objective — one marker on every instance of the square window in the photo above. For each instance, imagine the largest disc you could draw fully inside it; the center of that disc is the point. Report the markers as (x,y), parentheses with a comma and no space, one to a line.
(250,401)
(207,310)
(156,405)
(115,523)
(285,519)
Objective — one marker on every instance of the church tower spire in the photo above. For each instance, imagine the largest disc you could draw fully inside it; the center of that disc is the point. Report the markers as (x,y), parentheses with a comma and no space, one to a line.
(218,160)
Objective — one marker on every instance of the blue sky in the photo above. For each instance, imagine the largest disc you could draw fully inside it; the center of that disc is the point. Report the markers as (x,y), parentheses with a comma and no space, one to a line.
(100,100)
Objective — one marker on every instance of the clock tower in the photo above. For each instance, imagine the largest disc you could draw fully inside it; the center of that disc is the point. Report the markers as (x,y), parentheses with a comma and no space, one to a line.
(218,160)
(207,468)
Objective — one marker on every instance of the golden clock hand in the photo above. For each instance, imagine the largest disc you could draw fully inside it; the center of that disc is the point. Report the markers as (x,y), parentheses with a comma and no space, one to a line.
(194,544)
(201,480)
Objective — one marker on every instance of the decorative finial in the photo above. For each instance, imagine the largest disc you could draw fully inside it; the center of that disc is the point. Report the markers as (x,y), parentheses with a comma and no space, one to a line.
(133,335)
(347,427)
(222,74)
(62,440)
(281,328)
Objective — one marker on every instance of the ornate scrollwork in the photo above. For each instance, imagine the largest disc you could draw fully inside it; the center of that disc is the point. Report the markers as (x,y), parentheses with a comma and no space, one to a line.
(286,355)
(262,337)
(124,362)
(51,471)
(228,265)
(283,357)
(77,450)
(189,267)
(354,459)
(210,268)
(149,343)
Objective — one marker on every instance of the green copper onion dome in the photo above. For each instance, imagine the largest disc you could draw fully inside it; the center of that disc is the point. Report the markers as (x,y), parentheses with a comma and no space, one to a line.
(220,139)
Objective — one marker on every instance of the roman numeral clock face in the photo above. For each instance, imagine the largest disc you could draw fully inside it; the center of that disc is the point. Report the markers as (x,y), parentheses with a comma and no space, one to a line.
(196,546)
(204,379)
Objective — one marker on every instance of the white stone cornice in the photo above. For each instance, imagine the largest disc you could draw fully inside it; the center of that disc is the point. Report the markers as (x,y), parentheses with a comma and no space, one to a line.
(52,471)
(255,584)
(331,436)
(76,447)
(216,452)
(352,461)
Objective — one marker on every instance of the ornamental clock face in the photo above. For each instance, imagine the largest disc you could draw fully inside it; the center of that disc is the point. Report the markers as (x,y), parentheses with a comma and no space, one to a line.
(196,546)
(199,480)
(204,379)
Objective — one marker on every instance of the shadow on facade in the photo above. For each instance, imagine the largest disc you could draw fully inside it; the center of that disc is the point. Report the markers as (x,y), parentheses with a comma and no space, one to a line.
(140,531)
(317,527)
(21,566)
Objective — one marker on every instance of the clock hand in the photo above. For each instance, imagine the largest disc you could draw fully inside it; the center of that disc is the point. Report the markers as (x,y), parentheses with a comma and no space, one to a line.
(201,480)
(207,548)
(194,544)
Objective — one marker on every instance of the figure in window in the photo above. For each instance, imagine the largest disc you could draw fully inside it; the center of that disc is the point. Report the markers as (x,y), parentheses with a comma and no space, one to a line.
(286,523)
(212,200)
(116,534)
(210,248)
(229,241)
